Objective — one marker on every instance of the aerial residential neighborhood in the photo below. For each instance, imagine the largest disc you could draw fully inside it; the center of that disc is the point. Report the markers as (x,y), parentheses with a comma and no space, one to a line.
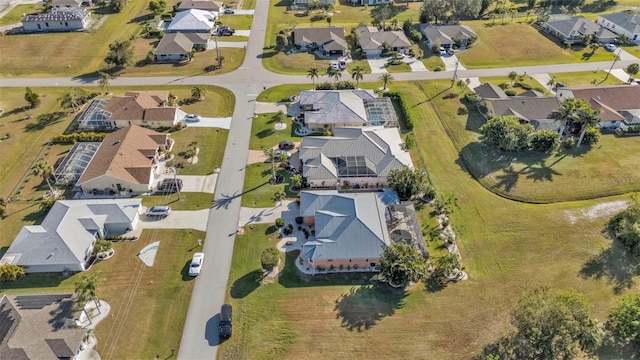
(262,179)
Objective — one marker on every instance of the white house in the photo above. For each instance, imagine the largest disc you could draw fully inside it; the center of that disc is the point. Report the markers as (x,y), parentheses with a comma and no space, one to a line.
(65,239)
(622,23)
(193,20)
(59,19)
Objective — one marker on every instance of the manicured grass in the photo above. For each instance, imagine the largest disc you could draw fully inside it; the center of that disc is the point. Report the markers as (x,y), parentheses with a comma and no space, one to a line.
(281,93)
(497,80)
(633,50)
(69,54)
(298,63)
(586,78)
(264,135)
(495,47)
(150,322)
(17,13)
(237,22)
(395,68)
(432,61)
(188,200)
(257,192)
(211,141)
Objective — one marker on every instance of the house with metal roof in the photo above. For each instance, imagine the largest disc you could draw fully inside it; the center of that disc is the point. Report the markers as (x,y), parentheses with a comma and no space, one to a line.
(330,40)
(326,109)
(446,35)
(530,107)
(67,3)
(128,162)
(35,327)
(622,23)
(371,40)
(361,156)
(143,108)
(58,19)
(351,229)
(572,30)
(619,105)
(176,47)
(65,239)
(193,20)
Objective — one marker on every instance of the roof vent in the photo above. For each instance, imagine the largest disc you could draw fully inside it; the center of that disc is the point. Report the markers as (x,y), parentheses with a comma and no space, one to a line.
(598,97)
(120,153)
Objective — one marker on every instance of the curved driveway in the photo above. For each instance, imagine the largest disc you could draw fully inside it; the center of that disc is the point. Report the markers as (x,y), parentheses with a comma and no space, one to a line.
(200,336)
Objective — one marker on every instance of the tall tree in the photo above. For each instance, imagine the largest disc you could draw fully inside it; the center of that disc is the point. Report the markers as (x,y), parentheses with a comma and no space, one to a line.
(157,7)
(624,319)
(271,156)
(568,111)
(588,119)
(278,196)
(313,73)
(633,69)
(334,73)
(513,76)
(357,74)
(118,5)
(44,169)
(296,181)
(402,263)
(198,92)
(434,9)
(386,79)
(72,98)
(32,98)
(506,133)
(120,54)
(104,80)
(464,8)
(408,182)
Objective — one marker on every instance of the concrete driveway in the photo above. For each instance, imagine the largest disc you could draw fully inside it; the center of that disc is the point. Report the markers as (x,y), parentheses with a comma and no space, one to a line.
(377,65)
(240,12)
(178,219)
(199,183)
(289,210)
(265,107)
(450,63)
(416,65)
(223,123)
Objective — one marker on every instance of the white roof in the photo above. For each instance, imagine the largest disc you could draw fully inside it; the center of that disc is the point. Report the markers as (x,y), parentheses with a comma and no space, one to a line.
(193,20)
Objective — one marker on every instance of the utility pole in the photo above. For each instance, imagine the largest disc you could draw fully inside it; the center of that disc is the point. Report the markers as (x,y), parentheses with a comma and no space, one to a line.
(175,180)
(455,73)
(217,49)
(612,65)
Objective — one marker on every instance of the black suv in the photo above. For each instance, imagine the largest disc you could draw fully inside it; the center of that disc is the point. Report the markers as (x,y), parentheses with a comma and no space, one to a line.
(170,185)
(224,329)
(286,145)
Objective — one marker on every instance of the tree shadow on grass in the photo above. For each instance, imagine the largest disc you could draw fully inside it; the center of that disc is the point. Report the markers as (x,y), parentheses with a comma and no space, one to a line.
(265,133)
(268,54)
(45,120)
(364,306)
(246,284)
(613,264)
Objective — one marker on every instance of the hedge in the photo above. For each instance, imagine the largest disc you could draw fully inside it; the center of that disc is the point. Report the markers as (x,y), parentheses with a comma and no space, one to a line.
(404,108)
(78,137)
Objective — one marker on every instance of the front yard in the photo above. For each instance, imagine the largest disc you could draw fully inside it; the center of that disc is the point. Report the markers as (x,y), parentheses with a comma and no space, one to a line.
(264,135)
(210,141)
(258,192)
(585,78)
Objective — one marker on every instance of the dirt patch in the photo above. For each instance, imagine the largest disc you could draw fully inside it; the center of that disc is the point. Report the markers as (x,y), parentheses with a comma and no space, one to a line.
(597,211)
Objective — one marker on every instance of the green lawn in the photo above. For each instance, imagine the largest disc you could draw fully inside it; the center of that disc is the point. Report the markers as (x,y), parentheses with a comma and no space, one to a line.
(497,80)
(585,78)
(188,200)
(495,47)
(633,50)
(211,141)
(395,68)
(237,22)
(281,93)
(298,63)
(263,134)
(257,192)
(17,13)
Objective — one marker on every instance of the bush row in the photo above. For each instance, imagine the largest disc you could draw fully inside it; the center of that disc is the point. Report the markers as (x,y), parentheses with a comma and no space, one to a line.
(78,137)
(404,107)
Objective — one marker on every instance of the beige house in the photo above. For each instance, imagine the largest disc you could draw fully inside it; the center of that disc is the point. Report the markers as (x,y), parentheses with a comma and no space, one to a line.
(143,108)
(371,40)
(128,162)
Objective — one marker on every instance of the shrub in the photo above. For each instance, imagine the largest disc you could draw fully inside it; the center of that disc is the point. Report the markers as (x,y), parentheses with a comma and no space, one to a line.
(279,222)
(569,142)
(288,229)
(523,85)
(415,36)
(345,85)
(299,220)
(472,98)
(78,137)
(403,107)
(269,258)
(462,110)
(510,92)
(9,272)
(438,68)
(591,137)
(503,86)
(544,140)
(324,86)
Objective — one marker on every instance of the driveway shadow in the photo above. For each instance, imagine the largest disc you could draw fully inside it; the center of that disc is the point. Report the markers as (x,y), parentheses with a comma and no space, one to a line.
(364,306)
(211,330)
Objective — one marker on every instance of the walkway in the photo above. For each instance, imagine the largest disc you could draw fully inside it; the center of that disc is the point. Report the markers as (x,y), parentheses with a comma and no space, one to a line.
(544,80)
(621,75)
(451,62)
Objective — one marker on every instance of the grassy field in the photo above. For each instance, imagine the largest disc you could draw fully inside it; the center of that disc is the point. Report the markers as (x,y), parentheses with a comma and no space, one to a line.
(497,80)
(298,63)
(281,93)
(237,22)
(586,78)
(507,248)
(211,141)
(402,67)
(263,134)
(495,47)
(17,13)
(257,192)
(188,200)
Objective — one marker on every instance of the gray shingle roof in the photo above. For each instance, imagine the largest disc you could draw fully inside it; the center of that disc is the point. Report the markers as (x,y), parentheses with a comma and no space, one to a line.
(378,148)
(180,43)
(444,34)
(68,230)
(201,5)
(331,37)
(626,21)
(348,225)
(490,91)
(371,39)
(579,25)
(525,107)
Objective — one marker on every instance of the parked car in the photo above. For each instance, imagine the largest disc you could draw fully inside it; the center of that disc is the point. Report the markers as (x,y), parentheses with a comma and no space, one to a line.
(442,51)
(226,321)
(196,264)
(342,64)
(159,210)
(192,118)
(170,185)
(225,31)
(560,84)
(229,11)
(286,145)
(610,47)
(334,66)
(293,169)
(278,152)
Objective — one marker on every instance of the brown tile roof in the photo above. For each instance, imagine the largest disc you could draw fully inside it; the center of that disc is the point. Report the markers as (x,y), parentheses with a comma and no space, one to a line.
(147,105)
(610,99)
(125,154)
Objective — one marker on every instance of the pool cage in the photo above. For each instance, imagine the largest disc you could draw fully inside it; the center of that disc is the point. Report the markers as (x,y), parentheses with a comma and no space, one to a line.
(95,117)
(380,112)
(74,164)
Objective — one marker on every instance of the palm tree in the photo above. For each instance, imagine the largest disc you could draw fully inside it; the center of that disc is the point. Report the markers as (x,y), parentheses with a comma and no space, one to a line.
(513,76)
(356,74)
(296,181)
(386,79)
(70,99)
(594,46)
(104,80)
(551,82)
(313,73)
(334,73)
(278,196)
(271,156)
(567,111)
(198,92)
(193,145)
(44,169)
(588,118)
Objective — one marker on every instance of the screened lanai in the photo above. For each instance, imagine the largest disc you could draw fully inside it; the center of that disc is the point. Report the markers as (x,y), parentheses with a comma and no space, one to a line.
(73,165)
